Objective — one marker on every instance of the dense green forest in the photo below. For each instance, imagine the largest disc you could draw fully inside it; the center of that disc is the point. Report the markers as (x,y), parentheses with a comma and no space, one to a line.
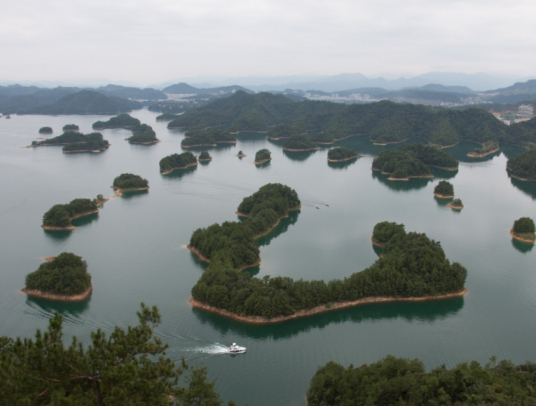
(298,142)
(398,381)
(487,148)
(524,228)
(130,181)
(412,265)
(285,130)
(342,154)
(177,161)
(262,155)
(93,145)
(70,127)
(204,156)
(64,275)
(456,204)
(384,121)
(68,138)
(323,138)
(234,242)
(385,230)
(444,188)
(142,134)
(45,130)
(60,215)
(166,117)
(412,160)
(217,134)
(198,140)
(129,366)
(121,121)
(524,165)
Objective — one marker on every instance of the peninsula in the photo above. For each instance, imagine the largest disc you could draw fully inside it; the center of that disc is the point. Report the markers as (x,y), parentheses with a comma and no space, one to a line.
(59,217)
(444,190)
(341,154)
(177,161)
(64,278)
(488,148)
(523,166)
(524,230)
(128,182)
(262,156)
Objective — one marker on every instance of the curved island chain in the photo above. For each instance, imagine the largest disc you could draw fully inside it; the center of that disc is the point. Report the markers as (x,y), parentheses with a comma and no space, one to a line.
(63,278)
(405,265)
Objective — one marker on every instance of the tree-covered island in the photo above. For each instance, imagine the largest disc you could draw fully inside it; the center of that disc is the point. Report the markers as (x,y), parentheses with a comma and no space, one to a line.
(204,156)
(240,154)
(262,155)
(60,215)
(456,204)
(142,134)
(412,267)
(340,154)
(124,120)
(523,166)
(298,143)
(70,127)
(397,381)
(208,137)
(89,146)
(444,190)
(63,278)
(412,161)
(177,161)
(166,117)
(523,230)
(488,148)
(45,130)
(69,137)
(129,182)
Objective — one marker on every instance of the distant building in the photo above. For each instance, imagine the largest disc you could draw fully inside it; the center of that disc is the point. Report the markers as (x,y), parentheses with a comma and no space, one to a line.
(526,110)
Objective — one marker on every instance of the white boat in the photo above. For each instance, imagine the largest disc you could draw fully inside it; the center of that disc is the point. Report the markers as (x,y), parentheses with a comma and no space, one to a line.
(236,349)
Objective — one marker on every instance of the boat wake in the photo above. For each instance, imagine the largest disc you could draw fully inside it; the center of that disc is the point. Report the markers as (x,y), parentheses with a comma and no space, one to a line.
(214,349)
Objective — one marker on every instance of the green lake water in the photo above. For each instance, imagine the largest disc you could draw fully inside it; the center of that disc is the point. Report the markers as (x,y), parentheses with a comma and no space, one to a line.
(135,251)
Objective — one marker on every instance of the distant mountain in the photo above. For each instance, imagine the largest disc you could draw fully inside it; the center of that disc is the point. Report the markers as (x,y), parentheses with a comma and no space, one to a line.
(23,102)
(528,87)
(181,88)
(185,88)
(434,87)
(132,92)
(86,102)
(16,90)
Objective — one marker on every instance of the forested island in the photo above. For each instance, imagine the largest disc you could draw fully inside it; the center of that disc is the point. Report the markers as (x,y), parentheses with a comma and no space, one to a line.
(298,143)
(456,204)
(127,182)
(403,272)
(398,381)
(384,121)
(124,120)
(65,277)
(412,161)
(45,130)
(240,154)
(177,161)
(88,146)
(444,190)
(143,134)
(523,230)
(69,138)
(208,137)
(523,166)
(204,156)
(262,155)
(340,154)
(70,127)
(488,148)
(60,215)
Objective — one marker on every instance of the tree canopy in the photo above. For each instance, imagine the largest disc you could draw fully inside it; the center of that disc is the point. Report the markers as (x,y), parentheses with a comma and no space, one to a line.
(60,215)
(523,165)
(88,146)
(204,156)
(341,154)
(262,155)
(130,181)
(142,134)
(299,142)
(45,130)
(70,137)
(177,161)
(70,127)
(385,230)
(121,121)
(444,188)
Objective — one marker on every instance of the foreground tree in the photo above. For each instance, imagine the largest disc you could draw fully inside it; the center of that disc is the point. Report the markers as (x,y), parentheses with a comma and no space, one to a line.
(129,367)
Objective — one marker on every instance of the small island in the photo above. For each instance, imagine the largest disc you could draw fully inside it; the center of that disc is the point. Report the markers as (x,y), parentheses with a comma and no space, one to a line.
(241,154)
(70,127)
(412,161)
(204,156)
(524,230)
(262,156)
(166,117)
(488,148)
(341,154)
(89,146)
(69,137)
(128,182)
(210,137)
(456,204)
(59,217)
(45,130)
(143,134)
(177,161)
(124,120)
(64,278)
(444,190)
(523,166)
(298,143)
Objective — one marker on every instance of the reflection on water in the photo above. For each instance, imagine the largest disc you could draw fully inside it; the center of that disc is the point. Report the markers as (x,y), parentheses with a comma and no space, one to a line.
(526,187)
(264,165)
(178,174)
(134,193)
(82,221)
(51,306)
(443,202)
(511,151)
(298,155)
(343,164)
(443,173)
(58,235)
(204,163)
(430,311)
(522,246)
(401,186)
(377,250)
(219,147)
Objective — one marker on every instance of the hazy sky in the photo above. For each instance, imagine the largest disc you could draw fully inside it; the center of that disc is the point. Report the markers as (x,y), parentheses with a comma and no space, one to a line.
(153,41)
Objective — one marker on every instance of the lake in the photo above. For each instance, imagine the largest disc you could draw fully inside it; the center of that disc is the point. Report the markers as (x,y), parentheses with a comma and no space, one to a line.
(135,252)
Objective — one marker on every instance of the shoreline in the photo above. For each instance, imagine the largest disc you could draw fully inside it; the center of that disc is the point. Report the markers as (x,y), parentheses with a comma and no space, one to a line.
(481,154)
(389,142)
(178,167)
(248,131)
(199,145)
(344,159)
(301,150)
(455,207)
(262,161)
(319,309)
(205,160)
(376,243)
(85,150)
(145,143)
(63,298)
(513,235)
(518,177)
(71,227)
(241,155)
(402,179)
(446,168)
(119,191)
(443,196)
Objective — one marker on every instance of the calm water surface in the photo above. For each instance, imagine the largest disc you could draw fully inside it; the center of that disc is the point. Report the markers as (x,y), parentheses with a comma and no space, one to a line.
(134,249)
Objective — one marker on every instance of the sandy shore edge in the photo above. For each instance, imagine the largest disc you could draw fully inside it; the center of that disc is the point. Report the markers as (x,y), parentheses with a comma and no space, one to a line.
(443,196)
(519,238)
(178,167)
(344,159)
(262,161)
(64,298)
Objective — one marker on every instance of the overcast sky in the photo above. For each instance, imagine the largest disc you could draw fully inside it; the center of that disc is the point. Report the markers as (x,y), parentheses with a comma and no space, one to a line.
(154,41)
